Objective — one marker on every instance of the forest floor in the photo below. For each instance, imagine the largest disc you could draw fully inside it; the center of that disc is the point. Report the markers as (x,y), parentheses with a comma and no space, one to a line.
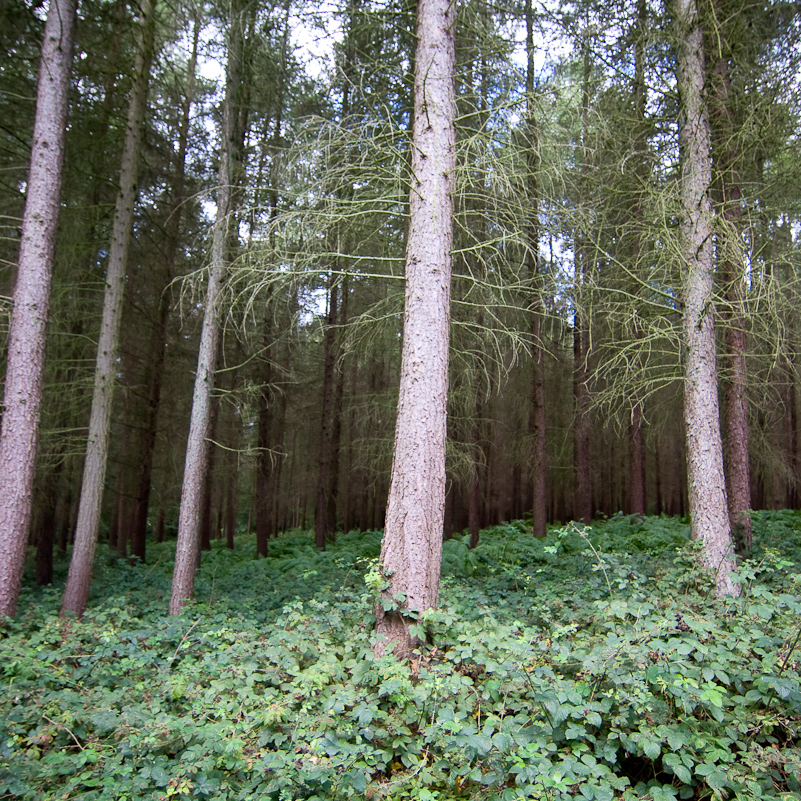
(592,664)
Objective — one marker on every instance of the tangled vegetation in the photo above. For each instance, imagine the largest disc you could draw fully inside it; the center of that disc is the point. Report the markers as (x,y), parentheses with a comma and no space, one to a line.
(592,664)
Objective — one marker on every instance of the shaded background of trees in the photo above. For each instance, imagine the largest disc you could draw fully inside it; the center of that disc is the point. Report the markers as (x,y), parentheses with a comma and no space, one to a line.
(565,263)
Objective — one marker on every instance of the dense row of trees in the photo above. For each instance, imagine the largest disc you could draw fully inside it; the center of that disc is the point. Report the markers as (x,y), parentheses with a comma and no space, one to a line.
(624,254)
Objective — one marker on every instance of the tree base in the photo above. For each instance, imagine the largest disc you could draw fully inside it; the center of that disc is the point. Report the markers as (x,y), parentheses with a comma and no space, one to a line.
(393,633)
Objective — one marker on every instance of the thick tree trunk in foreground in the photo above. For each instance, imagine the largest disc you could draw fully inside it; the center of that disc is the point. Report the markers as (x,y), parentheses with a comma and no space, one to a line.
(76,592)
(412,545)
(706,481)
(22,398)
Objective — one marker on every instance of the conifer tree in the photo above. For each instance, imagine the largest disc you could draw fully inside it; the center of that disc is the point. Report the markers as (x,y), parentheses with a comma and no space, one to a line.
(412,543)
(76,591)
(26,350)
(707,484)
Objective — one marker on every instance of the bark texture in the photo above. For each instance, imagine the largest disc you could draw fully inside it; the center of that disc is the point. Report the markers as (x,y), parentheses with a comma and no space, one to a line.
(76,592)
(22,398)
(731,265)
(412,546)
(196,466)
(706,479)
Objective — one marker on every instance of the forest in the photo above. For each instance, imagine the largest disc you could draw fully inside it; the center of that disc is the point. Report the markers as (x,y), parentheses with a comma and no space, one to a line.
(303,302)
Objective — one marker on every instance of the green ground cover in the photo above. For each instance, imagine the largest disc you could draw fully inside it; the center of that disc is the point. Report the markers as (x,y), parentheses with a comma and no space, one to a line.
(592,664)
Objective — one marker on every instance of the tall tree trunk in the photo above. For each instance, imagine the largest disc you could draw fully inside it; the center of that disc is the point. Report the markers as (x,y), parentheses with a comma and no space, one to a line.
(266,465)
(46,525)
(637,500)
(76,592)
(537,422)
(19,438)
(474,489)
(159,337)
(582,490)
(636,462)
(196,466)
(706,480)
(731,268)
(412,545)
(207,492)
(793,423)
(336,415)
(323,524)
(264,454)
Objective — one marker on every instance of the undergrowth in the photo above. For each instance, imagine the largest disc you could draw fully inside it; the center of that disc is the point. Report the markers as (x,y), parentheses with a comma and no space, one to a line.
(591,664)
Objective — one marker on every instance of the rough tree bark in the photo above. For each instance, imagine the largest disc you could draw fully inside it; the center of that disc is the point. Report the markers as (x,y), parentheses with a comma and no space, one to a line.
(22,397)
(412,545)
(76,592)
(706,481)
(731,265)
(197,448)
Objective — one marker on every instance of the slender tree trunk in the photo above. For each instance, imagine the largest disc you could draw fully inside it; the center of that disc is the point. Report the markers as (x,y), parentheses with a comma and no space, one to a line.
(730,257)
(196,466)
(266,465)
(46,528)
(264,456)
(658,471)
(144,470)
(19,438)
(159,338)
(336,415)
(474,491)
(350,479)
(76,592)
(636,462)
(637,499)
(537,422)
(793,392)
(65,522)
(412,545)
(706,480)
(207,493)
(230,511)
(582,492)
(323,525)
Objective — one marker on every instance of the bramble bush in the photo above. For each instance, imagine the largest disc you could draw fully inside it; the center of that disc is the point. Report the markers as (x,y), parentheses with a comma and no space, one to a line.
(593,664)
